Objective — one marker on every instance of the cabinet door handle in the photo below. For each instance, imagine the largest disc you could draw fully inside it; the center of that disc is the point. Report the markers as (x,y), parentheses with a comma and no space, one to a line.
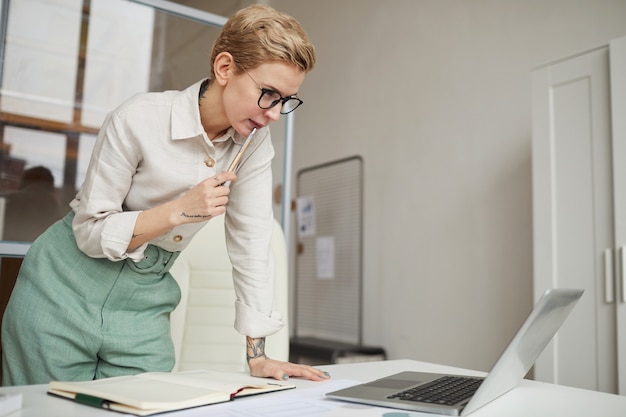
(609,283)
(620,275)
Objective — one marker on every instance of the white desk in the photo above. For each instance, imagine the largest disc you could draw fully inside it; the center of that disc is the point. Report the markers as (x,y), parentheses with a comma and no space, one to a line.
(529,399)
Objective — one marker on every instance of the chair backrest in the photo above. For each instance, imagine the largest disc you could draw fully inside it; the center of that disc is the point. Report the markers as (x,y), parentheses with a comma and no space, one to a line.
(202,324)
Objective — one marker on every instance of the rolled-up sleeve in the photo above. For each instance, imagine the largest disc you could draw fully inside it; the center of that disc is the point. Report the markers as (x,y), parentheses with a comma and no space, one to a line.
(250,323)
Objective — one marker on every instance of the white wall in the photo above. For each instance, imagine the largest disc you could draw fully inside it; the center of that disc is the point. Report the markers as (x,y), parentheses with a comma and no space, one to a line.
(435,96)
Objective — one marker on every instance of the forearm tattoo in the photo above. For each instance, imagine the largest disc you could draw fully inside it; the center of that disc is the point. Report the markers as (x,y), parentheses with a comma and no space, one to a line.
(255,348)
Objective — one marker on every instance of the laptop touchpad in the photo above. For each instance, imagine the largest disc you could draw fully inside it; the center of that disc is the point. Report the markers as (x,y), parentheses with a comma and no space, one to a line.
(392,383)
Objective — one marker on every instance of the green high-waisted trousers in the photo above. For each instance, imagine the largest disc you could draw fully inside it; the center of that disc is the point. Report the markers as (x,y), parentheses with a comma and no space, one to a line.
(73,317)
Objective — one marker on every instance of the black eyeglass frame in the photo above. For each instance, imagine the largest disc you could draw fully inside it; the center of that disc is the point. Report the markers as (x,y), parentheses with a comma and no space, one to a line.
(278,100)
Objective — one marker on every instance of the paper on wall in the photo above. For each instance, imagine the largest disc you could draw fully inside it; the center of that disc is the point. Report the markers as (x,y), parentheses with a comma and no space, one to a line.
(305,210)
(325,257)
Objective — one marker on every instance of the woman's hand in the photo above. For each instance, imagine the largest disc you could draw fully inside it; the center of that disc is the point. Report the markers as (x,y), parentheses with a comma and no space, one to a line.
(270,368)
(264,367)
(205,200)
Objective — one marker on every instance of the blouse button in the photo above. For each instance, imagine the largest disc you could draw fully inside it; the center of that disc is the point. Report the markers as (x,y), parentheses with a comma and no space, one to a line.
(178,238)
(210,162)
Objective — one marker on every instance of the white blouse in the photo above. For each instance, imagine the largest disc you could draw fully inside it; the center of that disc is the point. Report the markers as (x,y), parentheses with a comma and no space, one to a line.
(151,150)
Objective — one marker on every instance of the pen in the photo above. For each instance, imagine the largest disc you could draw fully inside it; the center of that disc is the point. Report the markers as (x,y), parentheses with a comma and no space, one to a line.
(233,165)
(93,401)
(244,146)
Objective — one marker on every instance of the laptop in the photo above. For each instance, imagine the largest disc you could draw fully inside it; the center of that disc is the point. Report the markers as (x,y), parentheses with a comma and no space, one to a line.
(441,393)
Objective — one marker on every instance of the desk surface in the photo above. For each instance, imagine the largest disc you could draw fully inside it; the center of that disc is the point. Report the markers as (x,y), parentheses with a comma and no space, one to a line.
(530,398)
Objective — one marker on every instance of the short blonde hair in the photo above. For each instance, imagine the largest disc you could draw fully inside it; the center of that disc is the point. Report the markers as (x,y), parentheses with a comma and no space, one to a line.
(259,34)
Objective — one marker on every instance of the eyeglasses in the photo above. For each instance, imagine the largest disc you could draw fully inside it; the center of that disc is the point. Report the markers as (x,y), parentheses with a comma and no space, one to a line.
(269,98)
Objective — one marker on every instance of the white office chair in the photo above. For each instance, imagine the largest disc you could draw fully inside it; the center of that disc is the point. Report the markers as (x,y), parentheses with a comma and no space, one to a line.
(202,324)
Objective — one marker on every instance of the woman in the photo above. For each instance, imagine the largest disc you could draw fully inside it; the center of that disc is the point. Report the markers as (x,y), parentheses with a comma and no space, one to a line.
(94,295)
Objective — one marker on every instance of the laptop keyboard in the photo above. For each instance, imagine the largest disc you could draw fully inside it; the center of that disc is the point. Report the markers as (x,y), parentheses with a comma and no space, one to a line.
(447,390)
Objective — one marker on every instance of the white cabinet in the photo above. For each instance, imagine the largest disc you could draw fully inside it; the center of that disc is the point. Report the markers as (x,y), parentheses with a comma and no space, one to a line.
(579,212)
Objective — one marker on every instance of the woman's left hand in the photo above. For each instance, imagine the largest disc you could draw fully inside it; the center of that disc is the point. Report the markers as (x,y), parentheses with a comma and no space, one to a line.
(270,368)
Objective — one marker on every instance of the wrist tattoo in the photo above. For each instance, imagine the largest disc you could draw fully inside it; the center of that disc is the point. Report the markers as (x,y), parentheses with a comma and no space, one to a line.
(255,348)
(200,216)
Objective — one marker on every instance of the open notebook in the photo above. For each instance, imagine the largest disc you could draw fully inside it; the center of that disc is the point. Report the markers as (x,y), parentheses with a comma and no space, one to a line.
(157,392)
(460,395)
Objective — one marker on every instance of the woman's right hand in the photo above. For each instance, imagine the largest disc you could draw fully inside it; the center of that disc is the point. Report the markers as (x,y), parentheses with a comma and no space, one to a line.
(205,200)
